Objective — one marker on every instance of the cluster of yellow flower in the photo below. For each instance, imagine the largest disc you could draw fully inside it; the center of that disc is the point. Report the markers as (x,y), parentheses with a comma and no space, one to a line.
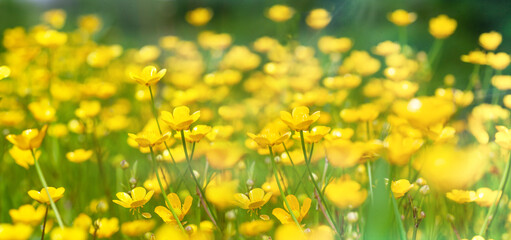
(376,134)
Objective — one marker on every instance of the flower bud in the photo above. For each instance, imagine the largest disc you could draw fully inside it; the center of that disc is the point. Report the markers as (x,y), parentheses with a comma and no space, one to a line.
(124,164)
(352,217)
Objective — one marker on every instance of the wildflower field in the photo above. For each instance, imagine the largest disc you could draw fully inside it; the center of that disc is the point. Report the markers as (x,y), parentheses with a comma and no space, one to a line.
(287,128)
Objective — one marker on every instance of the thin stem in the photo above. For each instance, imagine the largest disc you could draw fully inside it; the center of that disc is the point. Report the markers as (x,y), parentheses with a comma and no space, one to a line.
(402,37)
(402,233)
(163,190)
(197,184)
(495,206)
(43,181)
(370,176)
(315,184)
(44,223)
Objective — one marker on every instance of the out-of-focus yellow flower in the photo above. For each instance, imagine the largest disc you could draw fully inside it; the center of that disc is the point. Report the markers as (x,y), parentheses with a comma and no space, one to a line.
(27,214)
(345,193)
(329,44)
(50,38)
(89,23)
(498,61)
(149,138)
(71,233)
(448,167)
(42,196)
(98,205)
(105,227)
(197,133)
(400,187)
(88,109)
(220,191)
(318,18)
(289,232)
(58,130)
(137,228)
(501,82)
(401,17)
(503,137)
(479,238)
(4,72)
(340,133)
(280,13)
(475,57)
(270,185)
(168,42)
(79,155)
(360,62)
(199,16)
(255,227)
(269,137)
(344,153)
(223,155)
(299,119)
(180,118)
(180,210)
(42,111)
(284,216)
(214,41)
(15,232)
(255,200)
(29,139)
(387,48)
(486,197)
(461,196)
(400,148)
(490,40)
(149,76)
(442,26)
(315,134)
(56,18)
(423,112)
(23,158)
(507,101)
(139,197)
(82,221)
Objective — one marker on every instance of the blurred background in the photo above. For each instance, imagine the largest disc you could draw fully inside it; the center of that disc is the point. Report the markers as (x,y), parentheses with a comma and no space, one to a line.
(134,23)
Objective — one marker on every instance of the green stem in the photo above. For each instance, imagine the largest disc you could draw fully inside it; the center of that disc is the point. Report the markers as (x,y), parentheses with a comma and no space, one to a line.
(288,206)
(200,192)
(402,37)
(43,181)
(495,206)
(163,190)
(434,51)
(44,223)
(316,187)
(370,176)
(402,233)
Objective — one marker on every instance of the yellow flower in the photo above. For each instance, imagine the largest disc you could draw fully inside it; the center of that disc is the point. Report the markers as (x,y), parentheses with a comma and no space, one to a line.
(501,82)
(15,232)
(255,227)
(401,17)
(82,221)
(56,18)
(299,119)
(42,111)
(269,137)
(149,76)
(423,112)
(89,23)
(105,227)
(180,210)
(442,26)
(400,148)
(461,196)
(4,72)
(503,137)
(387,48)
(199,16)
(345,193)
(197,133)
(344,153)
(139,197)
(23,157)
(328,44)
(284,216)
(220,190)
(27,214)
(280,13)
(498,61)
(400,187)
(29,139)
(507,100)
(479,238)
(180,118)
(88,109)
(223,155)
(42,196)
(290,232)
(50,38)
(318,18)
(255,200)
(490,40)
(137,228)
(79,155)
(475,57)
(72,233)
(149,138)
(486,197)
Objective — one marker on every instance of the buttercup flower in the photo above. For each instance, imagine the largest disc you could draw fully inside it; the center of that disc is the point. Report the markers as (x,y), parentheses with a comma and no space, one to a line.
(27,214)
(400,187)
(199,16)
(137,228)
(180,210)
(442,26)
(69,234)
(105,227)
(486,197)
(299,119)
(42,196)
(197,133)
(284,216)
(79,155)
(149,138)
(23,157)
(29,139)
(498,61)
(137,198)
(401,17)
(461,196)
(345,193)
(149,76)
(503,137)
(280,13)
(269,137)
(318,18)
(180,118)
(88,109)
(15,232)
(255,227)
(4,72)
(255,200)
(490,40)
